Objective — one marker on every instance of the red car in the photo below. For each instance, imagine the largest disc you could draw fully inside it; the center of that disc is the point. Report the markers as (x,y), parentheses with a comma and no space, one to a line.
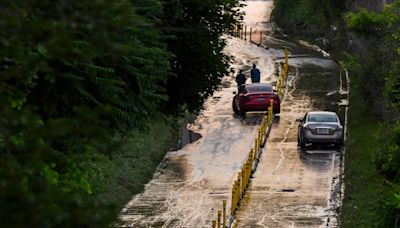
(255,97)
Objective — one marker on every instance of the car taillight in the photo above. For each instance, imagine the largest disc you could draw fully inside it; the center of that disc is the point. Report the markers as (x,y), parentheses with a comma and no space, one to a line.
(275,98)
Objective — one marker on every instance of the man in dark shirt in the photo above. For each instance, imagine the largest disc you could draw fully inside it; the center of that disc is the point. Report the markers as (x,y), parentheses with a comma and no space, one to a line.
(255,74)
(240,79)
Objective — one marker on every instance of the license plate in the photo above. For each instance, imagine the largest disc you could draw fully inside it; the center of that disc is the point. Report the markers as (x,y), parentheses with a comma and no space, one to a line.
(323,131)
(260,99)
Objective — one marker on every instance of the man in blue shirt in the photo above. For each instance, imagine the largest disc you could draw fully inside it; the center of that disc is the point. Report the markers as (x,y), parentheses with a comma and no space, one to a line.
(255,74)
(240,79)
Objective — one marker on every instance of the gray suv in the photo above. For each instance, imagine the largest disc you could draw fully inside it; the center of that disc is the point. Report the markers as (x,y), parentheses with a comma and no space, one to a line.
(320,127)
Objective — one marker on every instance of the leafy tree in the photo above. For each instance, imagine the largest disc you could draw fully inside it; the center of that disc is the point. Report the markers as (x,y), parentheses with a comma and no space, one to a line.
(78,80)
(72,73)
(196,28)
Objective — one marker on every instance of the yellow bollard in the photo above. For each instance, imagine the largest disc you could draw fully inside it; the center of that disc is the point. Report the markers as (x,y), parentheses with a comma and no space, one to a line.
(271,105)
(237,197)
(286,56)
(223,213)
(265,123)
(219,218)
(246,171)
(214,224)
(250,168)
(256,145)
(239,183)
(270,111)
(250,157)
(243,181)
(233,200)
(250,160)
(239,180)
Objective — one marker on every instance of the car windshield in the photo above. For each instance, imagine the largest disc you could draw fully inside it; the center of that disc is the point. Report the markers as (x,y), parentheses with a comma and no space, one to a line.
(322,117)
(259,88)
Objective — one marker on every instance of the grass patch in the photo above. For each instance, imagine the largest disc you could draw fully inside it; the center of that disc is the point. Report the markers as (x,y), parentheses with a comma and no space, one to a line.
(365,189)
(115,178)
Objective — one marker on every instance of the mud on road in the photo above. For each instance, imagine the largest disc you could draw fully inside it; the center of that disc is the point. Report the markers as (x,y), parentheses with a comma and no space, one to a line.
(290,188)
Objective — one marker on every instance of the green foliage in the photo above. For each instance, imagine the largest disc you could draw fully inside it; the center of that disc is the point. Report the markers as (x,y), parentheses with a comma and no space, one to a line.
(84,86)
(365,191)
(307,14)
(72,75)
(391,211)
(114,179)
(388,158)
(199,64)
(380,31)
(85,54)
(364,22)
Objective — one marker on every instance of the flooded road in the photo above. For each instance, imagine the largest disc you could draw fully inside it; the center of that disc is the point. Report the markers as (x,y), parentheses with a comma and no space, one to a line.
(290,188)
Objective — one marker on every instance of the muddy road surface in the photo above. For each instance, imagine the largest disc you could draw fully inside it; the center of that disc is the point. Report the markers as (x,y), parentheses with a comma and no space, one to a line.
(291,188)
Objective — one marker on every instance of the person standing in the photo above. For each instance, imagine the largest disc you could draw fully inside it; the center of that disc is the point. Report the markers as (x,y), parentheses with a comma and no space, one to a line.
(240,79)
(255,74)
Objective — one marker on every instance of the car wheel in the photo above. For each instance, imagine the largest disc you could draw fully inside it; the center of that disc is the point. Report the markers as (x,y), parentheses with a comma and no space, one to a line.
(300,142)
(235,108)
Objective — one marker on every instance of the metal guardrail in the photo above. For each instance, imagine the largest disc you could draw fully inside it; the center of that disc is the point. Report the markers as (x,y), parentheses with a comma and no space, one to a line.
(253,36)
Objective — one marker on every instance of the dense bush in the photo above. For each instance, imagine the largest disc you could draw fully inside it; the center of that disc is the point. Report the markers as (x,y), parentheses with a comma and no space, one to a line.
(307,16)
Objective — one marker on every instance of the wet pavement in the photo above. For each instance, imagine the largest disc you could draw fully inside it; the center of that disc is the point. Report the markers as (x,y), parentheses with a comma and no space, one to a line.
(290,188)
